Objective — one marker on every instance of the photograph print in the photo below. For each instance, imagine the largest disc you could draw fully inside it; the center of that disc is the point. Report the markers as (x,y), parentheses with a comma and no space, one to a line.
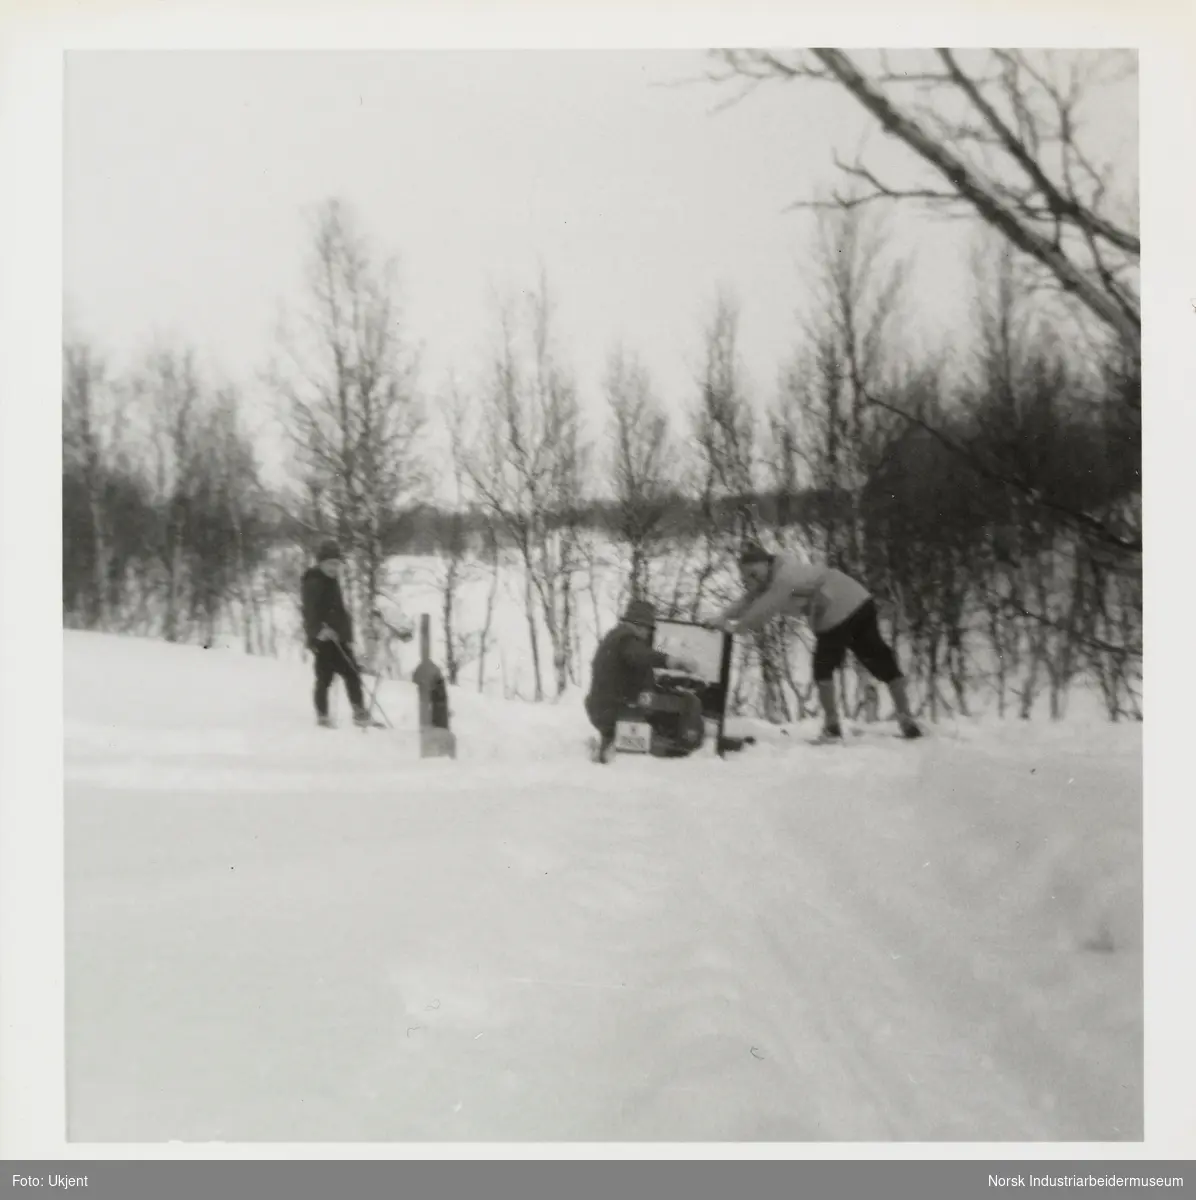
(395,385)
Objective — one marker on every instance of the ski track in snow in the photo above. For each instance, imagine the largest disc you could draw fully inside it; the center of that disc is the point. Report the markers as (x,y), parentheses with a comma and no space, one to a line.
(278,933)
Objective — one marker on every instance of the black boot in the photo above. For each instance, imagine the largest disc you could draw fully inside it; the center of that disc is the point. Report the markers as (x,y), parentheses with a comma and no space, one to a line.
(909,727)
(831,730)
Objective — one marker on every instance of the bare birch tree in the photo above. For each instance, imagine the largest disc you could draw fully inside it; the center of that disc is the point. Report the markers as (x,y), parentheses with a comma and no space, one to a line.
(528,468)
(641,454)
(91,433)
(169,391)
(461,546)
(720,475)
(826,430)
(352,411)
(229,537)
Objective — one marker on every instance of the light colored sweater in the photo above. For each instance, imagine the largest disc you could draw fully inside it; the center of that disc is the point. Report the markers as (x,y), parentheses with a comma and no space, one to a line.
(796,588)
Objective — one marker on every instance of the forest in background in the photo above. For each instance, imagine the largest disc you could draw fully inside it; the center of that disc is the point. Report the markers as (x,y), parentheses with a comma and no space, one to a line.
(987,489)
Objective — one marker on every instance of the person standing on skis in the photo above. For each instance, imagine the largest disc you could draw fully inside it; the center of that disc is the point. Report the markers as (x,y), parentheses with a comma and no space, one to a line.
(623,669)
(328,631)
(842,614)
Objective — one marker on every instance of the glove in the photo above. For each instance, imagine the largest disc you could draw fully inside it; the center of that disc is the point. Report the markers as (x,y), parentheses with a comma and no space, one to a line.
(326,635)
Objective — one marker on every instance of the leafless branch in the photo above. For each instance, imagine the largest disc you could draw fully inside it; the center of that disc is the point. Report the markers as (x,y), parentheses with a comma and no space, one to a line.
(1036,218)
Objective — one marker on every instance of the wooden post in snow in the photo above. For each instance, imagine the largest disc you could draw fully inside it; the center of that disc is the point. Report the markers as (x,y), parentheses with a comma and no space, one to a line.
(436,739)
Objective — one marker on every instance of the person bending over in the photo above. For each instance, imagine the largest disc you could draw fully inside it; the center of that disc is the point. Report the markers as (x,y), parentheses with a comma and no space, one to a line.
(842,614)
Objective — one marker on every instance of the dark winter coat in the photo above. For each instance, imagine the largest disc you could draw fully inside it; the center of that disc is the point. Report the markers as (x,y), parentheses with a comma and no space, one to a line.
(621,670)
(324,604)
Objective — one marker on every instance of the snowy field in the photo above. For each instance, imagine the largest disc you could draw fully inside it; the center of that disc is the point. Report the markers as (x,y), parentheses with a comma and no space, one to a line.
(278,933)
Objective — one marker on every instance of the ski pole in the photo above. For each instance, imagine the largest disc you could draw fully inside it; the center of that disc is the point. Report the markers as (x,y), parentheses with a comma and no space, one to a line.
(374,701)
(357,671)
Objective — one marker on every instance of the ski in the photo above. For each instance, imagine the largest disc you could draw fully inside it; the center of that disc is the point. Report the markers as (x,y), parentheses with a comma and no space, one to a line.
(372,724)
(856,735)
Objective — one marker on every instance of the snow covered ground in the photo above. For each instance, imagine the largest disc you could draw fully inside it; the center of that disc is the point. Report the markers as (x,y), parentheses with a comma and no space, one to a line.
(277,933)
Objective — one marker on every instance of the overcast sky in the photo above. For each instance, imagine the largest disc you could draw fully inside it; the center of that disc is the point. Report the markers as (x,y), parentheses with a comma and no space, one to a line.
(188,176)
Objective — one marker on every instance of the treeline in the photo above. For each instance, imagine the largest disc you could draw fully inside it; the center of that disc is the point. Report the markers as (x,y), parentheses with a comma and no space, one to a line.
(425,529)
(990,502)
(165,531)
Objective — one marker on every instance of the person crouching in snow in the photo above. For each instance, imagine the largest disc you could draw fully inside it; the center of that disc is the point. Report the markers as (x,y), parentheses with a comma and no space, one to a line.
(842,614)
(622,670)
(328,629)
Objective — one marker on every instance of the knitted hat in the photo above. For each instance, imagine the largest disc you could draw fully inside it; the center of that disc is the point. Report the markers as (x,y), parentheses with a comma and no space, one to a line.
(641,612)
(328,550)
(753,552)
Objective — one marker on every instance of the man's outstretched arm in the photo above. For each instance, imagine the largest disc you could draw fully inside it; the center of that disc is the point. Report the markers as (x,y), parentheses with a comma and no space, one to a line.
(790,581)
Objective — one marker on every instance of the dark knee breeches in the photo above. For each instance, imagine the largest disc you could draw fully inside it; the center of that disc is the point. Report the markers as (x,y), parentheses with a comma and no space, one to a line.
(860,633)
